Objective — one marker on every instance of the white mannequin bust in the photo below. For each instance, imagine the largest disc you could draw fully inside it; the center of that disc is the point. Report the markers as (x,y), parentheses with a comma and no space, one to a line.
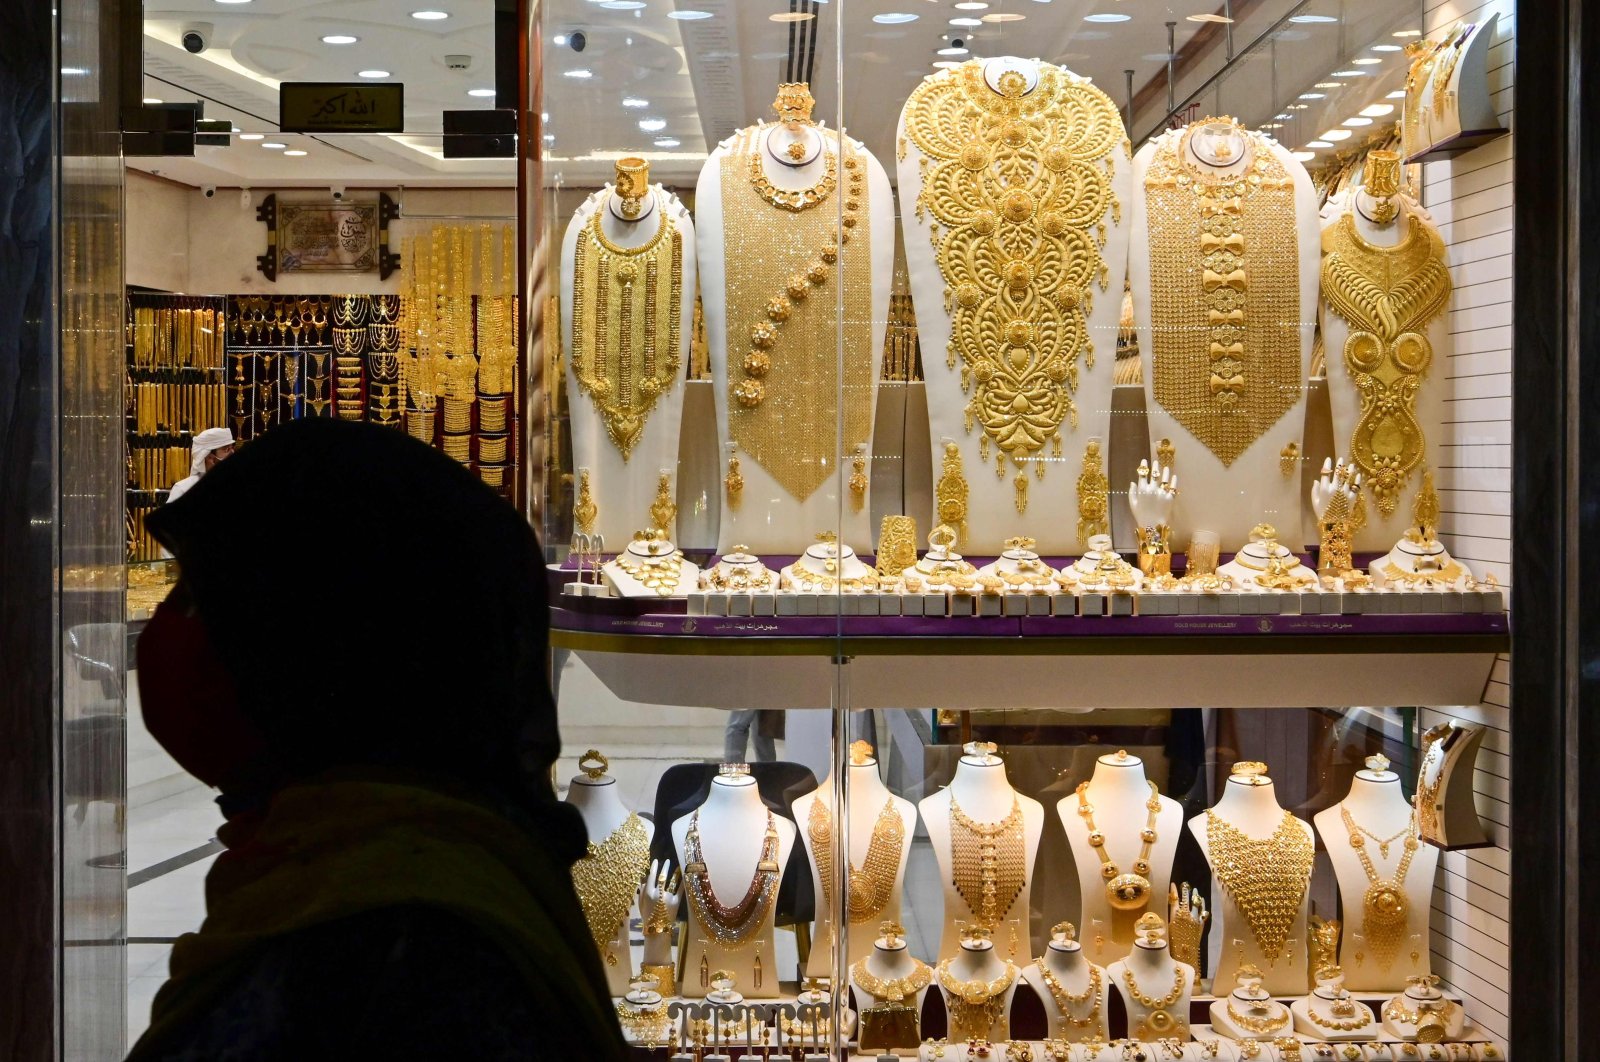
(739,571)
(985,796)
(594,793)
(1249,804)
(733,823)
(1151,975)
(1419,560)
(941,568)
(650,566)
(1101,568)
(978,960)
(1329,1012)
(1119,796)
(1249,1012)
(869,802)
(1386,825)
(1072,989)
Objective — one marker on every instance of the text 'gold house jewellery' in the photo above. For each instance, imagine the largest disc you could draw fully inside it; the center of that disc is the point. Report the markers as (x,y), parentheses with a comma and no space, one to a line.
(606,879)
(1016,185)
(1384,910)
(1388,295)
(1266,878)
(871,884)
(733,926)
(1131,891)
(988,863)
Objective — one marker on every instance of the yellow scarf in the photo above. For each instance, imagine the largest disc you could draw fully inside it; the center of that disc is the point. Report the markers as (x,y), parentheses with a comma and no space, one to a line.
(329,850)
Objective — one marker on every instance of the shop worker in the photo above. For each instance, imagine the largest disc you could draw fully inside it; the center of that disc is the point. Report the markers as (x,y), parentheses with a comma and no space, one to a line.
(354,656)
(208,448)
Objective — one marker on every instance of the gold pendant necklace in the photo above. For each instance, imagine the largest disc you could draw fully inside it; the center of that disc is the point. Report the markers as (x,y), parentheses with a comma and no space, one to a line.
(975,1006)
(870,885)
(1066,1003)
(1266,878)
(1018,186)
(1225,292)
(1159,1018)
(626,302)
(988,862)
(893,990)
(1125,892)
(736,926)
(606,879)
(1389,295)
(1383,907)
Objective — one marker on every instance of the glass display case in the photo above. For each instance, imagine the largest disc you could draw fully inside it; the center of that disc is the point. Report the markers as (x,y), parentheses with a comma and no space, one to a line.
(1018,472)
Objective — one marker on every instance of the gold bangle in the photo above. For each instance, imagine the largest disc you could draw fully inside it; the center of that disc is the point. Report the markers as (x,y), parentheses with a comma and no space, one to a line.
(595,757)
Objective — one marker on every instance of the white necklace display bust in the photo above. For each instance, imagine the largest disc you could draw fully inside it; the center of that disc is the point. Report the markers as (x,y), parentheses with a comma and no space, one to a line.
(597,799)
(1329,1012)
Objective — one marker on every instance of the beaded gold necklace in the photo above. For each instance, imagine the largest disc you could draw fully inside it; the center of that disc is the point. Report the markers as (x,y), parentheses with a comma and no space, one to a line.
(989,865)
(871,884)
(737,925)
(1066,1003)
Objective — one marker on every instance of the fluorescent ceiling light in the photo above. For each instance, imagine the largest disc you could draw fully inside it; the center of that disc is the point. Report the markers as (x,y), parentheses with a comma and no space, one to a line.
(1378,110)
(1335,134)
(1004,16)
(294,151)
(150,99)
(894,18)
(667,141)
(74,71)
(252,136)
(1329,84)
(1386,48)
(622,5)
(233,1)
(972,5)
(791,16)
(652,125)
(966,22)
(1319,144)
(688,16)
(372,73)
(1304,156)
(1367,60)
(1357,121)
(1313,96)
(581,74)
(273,145)
(430,16)
(1406,33)
(1209,17)
(1397,94)
(480,93)
(339,38)
(1349,73)
(1305,20)
(1107,16)
(634,101)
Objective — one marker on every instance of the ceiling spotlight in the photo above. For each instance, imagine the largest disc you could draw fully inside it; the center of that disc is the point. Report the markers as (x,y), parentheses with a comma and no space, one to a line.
(634,101)
(251,136)
(233,1)
(667,142)
(894,18)
(972,5)
(294,151)
(480,93)
(560,40)
(622,5)
(1357,121)
(1406,33)
(1397,94)
(339,38)
(1313,96)
(273,145)
(1329,84)
(946,64)
(652,125)
(1004,16)
(1308,20)
(1304,156)
(430,16)
(1318,144)
(966,22)
(1386,48)
(372,74)
(791,16)
(1336,134)
(1209,17)
(581,74)
(688,16)
(1378,110)
(1107,16)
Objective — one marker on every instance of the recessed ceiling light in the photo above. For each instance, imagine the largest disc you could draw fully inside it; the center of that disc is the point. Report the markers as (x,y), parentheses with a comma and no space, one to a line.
(1313,19)
(150,99)
(1397,94)
(1313,96)
(952,51)
(294,151)
(1349,73)
(1329,84)
(430,15)
(894,18)
(623,5)
(966,22)
(1406,33)
(233,1)
(652,125)
(252,136)
(634,101)
(1304,156)
(1357,121)
(1283,117)
(1336,134)
(1004,16)
(667,141)
(339,38)
(372,73)
(480,93)
(946,64)
(560,40)
(972,5)
(1386,48)
(1378,110)
(1107,16)
(273,145)
(1367,60)
(688,16)
(1319,144)
(1209,17)
(791,16)
(581,74)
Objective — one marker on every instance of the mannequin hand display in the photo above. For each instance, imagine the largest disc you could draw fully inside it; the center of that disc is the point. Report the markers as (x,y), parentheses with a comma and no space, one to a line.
(1152,496)
(659,898)
(1336,478)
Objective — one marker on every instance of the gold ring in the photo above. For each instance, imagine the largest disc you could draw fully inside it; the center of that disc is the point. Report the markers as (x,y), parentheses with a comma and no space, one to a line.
(593,773)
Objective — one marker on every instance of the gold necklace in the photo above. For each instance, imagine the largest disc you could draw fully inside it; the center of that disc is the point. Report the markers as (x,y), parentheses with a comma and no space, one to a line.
(1362,1018)
(1422,54)
(1158,1019)
(606,879)
(1256,1025)
(731,927)
(1125,892)
(1266,878)
(784,371)
(1225,292)
(625,301)
(1426,802)
(1066,1002)
(1383,906)
(1094,495)
(896,989)
(870,885)
(802,199)
(1018,185)
(1445,68)
(975,1006)
(660,574)
(988,862)
(1388,295)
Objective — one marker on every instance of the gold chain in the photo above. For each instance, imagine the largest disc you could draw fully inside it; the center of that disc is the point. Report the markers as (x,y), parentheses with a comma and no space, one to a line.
(606,879)
(1383,907)
(870,885)
(731,927)
(1018,185)
(975,1006)
(1225,292)
(1065,1001)
(989,866)
(894,989)
(1125,892)
(1388,295)
(1266,878)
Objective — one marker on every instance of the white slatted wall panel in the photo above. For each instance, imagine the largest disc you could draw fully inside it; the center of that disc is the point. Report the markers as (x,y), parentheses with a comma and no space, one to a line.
(1470,197)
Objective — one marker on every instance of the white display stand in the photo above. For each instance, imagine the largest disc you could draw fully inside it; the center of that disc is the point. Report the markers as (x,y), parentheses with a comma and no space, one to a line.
(1157,972)
(1468,107)
(1251,806)
(1052,509)
(867,797)
(733,826)
(1376,803)
(1448,767)
(984,794)
(623,490)
(1075,974)
(1118,792)
(1254,558)
(1426,563)
(770,520)
(978,959)
(1381,531)
(603,813)
(819,569)
(1214,494)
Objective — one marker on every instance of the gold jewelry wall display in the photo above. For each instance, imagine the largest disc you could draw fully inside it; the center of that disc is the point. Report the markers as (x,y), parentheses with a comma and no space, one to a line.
(1266,878)
(1225,291)
(735,926)
(784,403)
(1068,1004)
(733,482)
(633,183)
(897,546)
(607,877)
(1445,67)
(988,863)
(1017,184)
(1384,910)
(1094,495)
(1388,295)
(664,509)
(585,511)
(975,1006)
(951,492)
(626,305)
(870,885)
(896,989)
(1131,891)
(1159,1018)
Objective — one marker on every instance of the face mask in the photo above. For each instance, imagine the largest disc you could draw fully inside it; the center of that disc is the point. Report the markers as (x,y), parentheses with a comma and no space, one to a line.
(188,699)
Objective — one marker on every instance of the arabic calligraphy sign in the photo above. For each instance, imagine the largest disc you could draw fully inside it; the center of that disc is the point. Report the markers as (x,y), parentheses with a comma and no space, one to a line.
(323,238)
(337,107)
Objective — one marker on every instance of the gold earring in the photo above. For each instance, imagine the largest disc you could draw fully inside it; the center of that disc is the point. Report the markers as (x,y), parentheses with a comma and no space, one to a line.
(734,482)
(586,510)
(757,968)
(1166,453)
(1288,459)
(951,492)
(1021,483)
(1094,495)
(705,969)
(858,481)
(664,511)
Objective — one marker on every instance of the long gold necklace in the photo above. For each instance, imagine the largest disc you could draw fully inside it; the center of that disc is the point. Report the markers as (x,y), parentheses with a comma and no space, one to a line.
(1383,907)
(606,879)
(870,885)
(1018,185)
(975,1006)
(1225,292)
(731,927)
(626,306)
(894,989)
(1426,802)
(1388,295)
(1066,1003)
(1266,878)
(1125,892)
(988,863)
(1423,54)
(1445,67)
(782,332)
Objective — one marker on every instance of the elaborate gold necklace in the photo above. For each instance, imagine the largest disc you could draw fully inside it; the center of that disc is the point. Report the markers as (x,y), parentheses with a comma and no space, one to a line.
(1225,292)
(1125,892)
(1158,1019)
(1065,1002)
(1445,67)
(988,863)
(731,927)
(1422,54)
(1266,878)
(1388,295)
(975,1006)
(1383,907)
(1018,185)
(896,989)
(626,305)
(660,574)
(1426,802)
(782,333)
(871,885)
(606,879)
(801,199)
(1257,1025)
